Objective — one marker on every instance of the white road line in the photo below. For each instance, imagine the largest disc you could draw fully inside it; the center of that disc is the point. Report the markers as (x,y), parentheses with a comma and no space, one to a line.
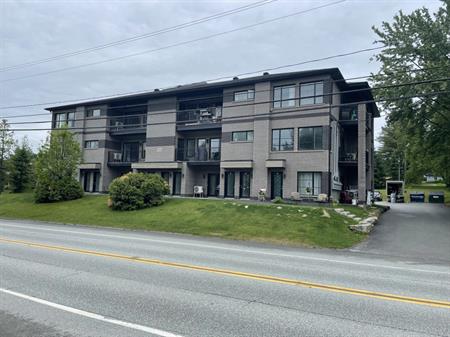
(241,250)
(88,314)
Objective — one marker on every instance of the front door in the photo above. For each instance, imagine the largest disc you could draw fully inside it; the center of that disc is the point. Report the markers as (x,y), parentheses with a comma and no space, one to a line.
(276,183)
(244,184)
(95,183)
(213,184)
(229,184)
(176,183)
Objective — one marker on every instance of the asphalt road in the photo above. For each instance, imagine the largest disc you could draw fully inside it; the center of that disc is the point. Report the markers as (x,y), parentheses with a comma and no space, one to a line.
(420,231)
(69,281)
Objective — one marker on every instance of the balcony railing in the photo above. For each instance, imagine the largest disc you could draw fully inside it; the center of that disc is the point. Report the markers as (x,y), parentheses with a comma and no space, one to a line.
(200,155)
(349,113)
(127,123)
(199,116)
(348,156)
(117,157)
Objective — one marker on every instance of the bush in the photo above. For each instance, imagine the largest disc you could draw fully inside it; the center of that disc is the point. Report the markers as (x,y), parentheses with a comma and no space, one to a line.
(50,190)
(137,190)
(278,200)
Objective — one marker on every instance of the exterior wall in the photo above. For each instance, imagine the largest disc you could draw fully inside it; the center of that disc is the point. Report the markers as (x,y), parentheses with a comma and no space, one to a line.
(161,130)
(257,115)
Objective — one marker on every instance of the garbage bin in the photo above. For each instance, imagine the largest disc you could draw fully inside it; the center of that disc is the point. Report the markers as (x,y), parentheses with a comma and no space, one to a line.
(417,197)
(436,197)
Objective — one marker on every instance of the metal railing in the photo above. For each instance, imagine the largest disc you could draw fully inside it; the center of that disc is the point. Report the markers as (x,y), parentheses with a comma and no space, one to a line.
(199,116)
(121,123)
(118,157)
(200,155)
(349,113)
(348,156)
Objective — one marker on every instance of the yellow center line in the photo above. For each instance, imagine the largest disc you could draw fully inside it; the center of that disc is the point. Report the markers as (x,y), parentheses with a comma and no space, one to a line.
(260,277)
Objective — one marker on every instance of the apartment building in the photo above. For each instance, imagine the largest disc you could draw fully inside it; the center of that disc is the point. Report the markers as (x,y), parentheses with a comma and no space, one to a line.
(294,135)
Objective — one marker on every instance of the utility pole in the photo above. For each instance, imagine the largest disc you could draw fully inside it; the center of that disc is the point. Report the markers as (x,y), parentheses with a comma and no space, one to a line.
(398,168)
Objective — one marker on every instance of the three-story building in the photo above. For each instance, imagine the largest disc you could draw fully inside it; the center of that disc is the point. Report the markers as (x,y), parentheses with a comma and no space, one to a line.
(297,134)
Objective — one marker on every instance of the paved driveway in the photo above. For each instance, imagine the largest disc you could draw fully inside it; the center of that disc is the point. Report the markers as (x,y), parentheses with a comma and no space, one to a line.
(416,231)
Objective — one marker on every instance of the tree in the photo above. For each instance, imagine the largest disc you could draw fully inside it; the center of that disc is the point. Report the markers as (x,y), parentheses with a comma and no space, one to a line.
(417,49)
(6,147)
(379,175)
(56,168)
(20,167)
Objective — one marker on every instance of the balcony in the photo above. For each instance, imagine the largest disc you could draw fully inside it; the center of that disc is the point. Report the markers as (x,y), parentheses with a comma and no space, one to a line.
(118,158)
(199,119)
(199,152)
(122,125)
(348,158)
(348,115)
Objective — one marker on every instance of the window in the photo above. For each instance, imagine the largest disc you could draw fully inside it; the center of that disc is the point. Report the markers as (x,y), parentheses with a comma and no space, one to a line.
(309,183)
(63,119)
(93,112)
(311,93)
(242,136)
(91,144)
(214,149)
(310,138)
(71,119)
(284,96)
(245,95)
(282,139)
(60,120)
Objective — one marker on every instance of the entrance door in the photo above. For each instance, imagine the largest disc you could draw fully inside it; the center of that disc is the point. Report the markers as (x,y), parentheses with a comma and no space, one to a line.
(244,184)
(276,183)
(176,183)
(229,184)
(86,179)
(95,183)
(213,184)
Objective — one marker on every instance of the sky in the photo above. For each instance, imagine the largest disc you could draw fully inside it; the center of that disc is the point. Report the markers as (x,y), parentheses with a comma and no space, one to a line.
(36,30)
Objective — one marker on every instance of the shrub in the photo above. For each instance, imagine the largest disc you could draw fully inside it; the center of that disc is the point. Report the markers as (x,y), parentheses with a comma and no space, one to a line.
(278,200)
(137,190)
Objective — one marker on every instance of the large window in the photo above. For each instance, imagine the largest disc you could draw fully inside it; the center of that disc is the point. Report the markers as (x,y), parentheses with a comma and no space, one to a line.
(63,119)
(311,93)
(242,136)
(310,138)
(244,95)
(282,139)
(284,96)
(91,144)
(309,183)
(60,120)
(93,112)
(214,149)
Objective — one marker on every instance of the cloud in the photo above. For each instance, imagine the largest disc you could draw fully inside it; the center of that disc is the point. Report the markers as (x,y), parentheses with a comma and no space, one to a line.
(36,30)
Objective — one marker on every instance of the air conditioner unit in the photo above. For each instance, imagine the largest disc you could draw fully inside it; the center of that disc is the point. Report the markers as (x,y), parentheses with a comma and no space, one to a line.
(117,156)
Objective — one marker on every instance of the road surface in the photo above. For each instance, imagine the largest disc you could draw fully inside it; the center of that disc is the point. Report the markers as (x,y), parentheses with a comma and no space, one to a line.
(59,280)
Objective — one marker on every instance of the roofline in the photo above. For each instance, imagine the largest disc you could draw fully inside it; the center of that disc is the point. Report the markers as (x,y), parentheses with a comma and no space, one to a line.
(334,72)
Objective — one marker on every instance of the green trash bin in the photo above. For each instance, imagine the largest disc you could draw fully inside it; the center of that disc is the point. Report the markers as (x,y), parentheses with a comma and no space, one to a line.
(436,197)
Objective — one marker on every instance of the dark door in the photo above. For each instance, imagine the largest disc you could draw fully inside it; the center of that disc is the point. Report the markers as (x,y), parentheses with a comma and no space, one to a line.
(95,183)
(276,183)
(213,184)
(86,176)
(244,184)
(176,183)
(130,153)
(229,184)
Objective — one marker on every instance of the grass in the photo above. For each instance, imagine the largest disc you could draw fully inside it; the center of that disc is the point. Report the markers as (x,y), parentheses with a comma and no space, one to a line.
(291,225)
(426,188)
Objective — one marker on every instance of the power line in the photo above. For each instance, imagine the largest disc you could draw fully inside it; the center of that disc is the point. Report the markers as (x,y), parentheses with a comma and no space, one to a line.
(173,45)
(268,114)
(139,37)
(242,104)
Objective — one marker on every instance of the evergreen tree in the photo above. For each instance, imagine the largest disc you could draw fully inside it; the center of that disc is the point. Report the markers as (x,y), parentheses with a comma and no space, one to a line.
(6,147)
(20,168)
(56,168)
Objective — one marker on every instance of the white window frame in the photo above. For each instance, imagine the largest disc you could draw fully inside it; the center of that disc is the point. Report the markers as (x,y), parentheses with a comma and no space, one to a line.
(247,95)
(91,144)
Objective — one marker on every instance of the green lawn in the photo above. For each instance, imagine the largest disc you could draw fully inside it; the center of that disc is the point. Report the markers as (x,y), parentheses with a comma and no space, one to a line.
(292,225)
(426,188)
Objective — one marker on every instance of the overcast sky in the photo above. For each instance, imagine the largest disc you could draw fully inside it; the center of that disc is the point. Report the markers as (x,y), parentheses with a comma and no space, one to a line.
(34,30)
